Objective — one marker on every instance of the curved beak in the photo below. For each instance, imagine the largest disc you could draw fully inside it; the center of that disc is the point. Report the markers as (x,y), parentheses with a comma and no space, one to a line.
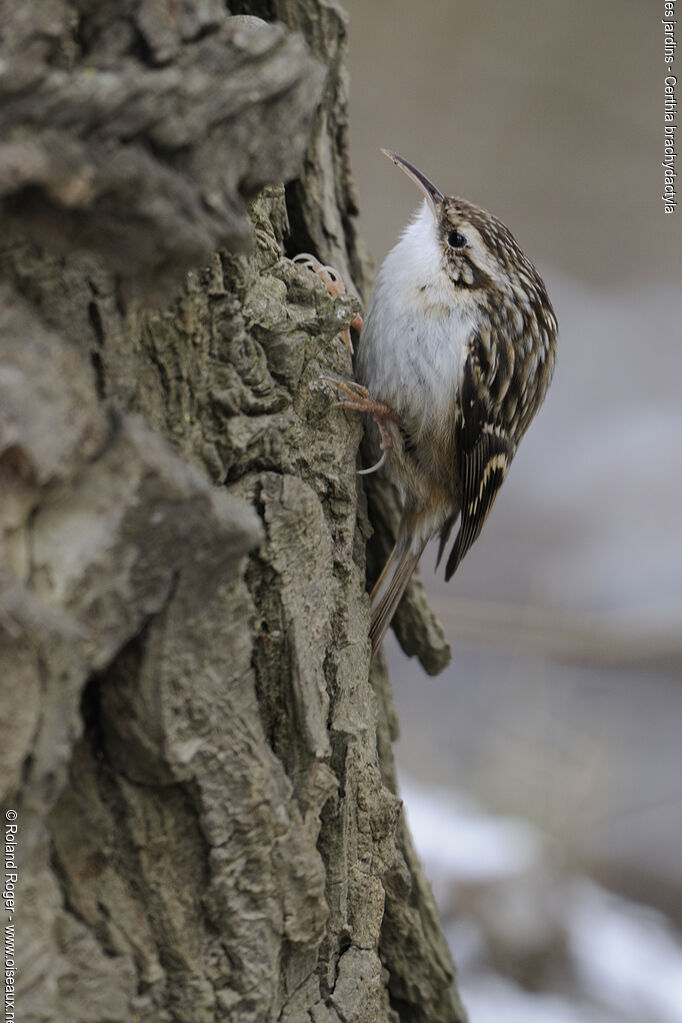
(433,195)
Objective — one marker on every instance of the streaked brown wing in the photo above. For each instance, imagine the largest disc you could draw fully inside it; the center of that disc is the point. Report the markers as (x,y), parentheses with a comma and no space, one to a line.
(484,452)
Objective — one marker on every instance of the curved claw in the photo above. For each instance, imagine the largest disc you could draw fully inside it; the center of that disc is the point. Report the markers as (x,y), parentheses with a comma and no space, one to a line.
(334,284)
(358,399)
(374,468)
(306,258)
(331,277)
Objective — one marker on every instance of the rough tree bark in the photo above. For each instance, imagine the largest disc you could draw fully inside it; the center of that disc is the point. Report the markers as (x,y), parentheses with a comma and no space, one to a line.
(208,821)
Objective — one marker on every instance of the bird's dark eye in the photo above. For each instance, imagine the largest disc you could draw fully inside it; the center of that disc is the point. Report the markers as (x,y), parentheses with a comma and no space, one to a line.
(456,240)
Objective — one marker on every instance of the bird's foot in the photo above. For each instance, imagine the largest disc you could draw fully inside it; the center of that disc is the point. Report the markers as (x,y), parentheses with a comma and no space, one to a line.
(334,284)
(358,399)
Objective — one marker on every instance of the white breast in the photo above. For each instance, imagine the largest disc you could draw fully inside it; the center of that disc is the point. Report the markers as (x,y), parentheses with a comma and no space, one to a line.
(416,328)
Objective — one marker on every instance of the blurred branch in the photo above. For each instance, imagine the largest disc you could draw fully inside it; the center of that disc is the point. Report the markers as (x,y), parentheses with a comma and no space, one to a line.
(535,631)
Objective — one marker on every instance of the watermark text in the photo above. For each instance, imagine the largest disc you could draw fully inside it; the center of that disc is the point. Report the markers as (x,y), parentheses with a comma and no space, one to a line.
(669,162)
(9,897)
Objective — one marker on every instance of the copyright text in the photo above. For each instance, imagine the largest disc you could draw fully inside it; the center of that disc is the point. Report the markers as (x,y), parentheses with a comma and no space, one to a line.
(10,880)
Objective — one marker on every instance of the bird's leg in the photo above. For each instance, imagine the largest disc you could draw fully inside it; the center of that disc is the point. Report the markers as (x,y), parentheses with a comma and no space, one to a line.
(334,283)
(358,399)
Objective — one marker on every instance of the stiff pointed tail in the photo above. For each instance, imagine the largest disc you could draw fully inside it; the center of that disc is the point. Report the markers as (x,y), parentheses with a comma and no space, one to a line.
(386,602)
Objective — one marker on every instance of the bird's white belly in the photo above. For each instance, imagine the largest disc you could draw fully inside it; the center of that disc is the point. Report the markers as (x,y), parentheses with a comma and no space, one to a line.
(412,352)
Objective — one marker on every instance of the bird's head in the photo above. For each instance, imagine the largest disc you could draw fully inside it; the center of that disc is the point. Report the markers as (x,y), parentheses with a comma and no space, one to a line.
(478,252)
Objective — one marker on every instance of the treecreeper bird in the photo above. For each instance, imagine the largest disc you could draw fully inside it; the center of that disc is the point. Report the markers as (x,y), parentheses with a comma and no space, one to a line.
(456,354)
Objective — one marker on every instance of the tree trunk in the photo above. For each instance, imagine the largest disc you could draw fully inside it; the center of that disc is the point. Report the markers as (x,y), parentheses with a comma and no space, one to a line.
(207,819)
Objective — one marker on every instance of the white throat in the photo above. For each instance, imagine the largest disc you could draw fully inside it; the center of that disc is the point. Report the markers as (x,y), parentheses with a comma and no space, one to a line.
(418,324)
(416,261)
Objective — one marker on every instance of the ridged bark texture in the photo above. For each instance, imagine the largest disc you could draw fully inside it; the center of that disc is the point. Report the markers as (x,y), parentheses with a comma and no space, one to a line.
(209,827)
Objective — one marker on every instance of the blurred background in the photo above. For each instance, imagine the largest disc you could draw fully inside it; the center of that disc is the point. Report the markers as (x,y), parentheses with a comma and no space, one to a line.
(543,770)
